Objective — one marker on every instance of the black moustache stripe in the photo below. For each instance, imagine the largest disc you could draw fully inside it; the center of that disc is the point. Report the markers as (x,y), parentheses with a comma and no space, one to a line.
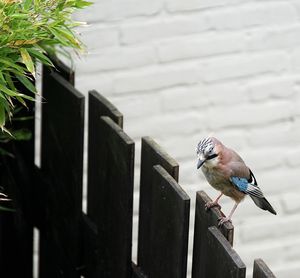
(211,156)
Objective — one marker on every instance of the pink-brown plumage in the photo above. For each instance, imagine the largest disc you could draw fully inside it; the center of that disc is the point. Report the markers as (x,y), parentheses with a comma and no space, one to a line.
(226,171)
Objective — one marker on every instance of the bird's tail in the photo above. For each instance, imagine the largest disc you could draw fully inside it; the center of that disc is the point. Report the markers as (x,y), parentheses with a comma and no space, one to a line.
(263,204)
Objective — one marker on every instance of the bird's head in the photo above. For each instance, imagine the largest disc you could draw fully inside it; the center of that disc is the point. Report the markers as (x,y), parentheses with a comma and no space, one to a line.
(207,151)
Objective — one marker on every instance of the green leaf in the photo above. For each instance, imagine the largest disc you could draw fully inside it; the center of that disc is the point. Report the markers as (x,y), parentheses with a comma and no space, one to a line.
(59,37)
(19,16)
(10,82)
(9,63)
(36,2)
(27,83)
(7,209)
(7,131)
(2,79)
(2,114)
(27,4)
(22,101)
(67,34)
(22,134)
(14,94)
(40,56)
(26,58)
(82,4)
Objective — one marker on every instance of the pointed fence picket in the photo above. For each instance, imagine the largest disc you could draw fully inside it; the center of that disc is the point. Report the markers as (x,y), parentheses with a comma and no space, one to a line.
(261,270)
(98,244)
(62,165)
(151,154)
(204,220)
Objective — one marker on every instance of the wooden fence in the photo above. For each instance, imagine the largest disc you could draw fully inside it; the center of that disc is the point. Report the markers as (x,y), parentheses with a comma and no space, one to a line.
(98,244)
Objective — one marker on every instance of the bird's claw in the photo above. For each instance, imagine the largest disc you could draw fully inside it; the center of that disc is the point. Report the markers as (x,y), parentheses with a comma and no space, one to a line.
(223,220)
(210,205)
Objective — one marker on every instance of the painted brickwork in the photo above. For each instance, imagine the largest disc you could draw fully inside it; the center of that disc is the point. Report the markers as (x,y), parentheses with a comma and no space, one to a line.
(181,70)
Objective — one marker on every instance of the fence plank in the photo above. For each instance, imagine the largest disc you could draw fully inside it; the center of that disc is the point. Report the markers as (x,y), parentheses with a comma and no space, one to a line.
(61,69)
(203,220)
(169,227)
(90,248)
(62,164)
(152,154)
(64,71)
(223,261)
(100,106)
(110,197)
(261,270)
(137,272)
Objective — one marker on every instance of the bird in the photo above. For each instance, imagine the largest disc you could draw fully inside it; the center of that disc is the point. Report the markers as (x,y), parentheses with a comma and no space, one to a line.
(227,172)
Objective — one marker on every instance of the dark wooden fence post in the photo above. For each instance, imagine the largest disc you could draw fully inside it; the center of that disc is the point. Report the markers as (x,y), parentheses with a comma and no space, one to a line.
(110,195)
(261,270)
(152,154)
(62,164)
(222,261)
(89,248)
(98,106)
(169,227)
(203,220)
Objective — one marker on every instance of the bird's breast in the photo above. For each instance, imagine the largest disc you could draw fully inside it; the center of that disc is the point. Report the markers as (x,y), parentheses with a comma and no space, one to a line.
(215,178)
(219,181)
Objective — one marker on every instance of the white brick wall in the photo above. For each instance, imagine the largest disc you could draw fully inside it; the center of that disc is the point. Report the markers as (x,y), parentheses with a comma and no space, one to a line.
(181,70)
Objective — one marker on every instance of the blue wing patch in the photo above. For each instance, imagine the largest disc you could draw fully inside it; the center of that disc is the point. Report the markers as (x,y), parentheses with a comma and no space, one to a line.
(243,185)
(240,183)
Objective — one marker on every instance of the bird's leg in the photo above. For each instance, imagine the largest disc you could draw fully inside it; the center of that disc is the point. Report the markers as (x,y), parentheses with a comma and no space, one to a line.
(215,203)
(228,219)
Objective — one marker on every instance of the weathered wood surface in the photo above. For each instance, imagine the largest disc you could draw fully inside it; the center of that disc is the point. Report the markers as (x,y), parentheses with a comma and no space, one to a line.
(203,220)
(222,261)
(151,154)
(110,197)
(68,74)
(90,248)
(61,167)
(261,270)
(169,227)
(99,106)
(61,69)
(137,272)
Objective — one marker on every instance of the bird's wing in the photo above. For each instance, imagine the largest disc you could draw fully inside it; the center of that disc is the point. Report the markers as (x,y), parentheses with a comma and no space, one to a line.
(244,180)
(241,176)
(247,186)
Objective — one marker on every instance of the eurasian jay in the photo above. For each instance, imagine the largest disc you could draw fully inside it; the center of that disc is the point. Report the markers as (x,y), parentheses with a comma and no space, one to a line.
(226,171)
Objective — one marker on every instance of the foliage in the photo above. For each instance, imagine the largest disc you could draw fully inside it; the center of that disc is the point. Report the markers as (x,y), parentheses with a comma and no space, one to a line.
(30,31)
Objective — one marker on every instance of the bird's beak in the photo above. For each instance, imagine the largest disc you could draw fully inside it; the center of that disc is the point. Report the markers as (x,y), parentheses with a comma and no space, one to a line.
(200,163)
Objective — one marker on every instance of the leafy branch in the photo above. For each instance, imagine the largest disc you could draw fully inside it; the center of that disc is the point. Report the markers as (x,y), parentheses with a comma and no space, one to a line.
(30,31)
